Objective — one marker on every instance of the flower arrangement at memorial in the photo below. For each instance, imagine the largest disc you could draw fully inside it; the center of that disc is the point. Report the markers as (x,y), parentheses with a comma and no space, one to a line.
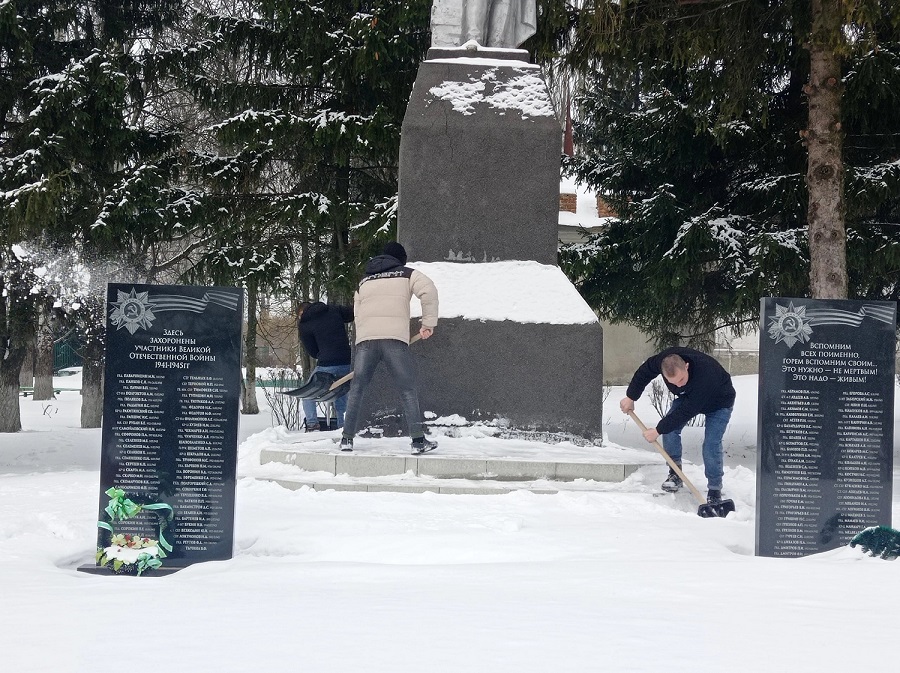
(132,554)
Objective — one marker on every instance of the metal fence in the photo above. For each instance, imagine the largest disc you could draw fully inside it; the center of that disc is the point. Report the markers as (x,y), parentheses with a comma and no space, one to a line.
(65,355)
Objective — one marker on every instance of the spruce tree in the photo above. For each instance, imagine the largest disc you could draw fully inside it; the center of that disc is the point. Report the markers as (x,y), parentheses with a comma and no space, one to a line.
(696,127)
(303,104)
(306,101)
(80,161)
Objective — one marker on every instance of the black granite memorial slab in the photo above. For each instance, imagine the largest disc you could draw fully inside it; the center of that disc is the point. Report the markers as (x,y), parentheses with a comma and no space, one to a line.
(826,419)
(170,424)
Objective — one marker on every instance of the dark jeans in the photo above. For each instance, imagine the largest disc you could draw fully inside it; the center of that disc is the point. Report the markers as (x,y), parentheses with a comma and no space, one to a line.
(713,458)
(310,413)
(401,365)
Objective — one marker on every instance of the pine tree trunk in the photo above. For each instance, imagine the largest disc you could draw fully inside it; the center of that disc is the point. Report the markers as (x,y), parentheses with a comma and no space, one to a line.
(26,373)
(249,404)
(43,362)
(825,167)
(92,387)
(10,416)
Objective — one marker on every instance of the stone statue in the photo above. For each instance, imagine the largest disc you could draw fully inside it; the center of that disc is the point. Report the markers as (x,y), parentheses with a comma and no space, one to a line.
(491,23)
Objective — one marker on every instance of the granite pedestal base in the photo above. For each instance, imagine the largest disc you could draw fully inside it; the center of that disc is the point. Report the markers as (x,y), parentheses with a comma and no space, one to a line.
(541,377)
(92,569)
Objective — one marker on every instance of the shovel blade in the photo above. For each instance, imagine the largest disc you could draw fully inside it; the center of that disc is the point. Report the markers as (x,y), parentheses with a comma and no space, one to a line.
(335,393)
(317,384)
(718,509)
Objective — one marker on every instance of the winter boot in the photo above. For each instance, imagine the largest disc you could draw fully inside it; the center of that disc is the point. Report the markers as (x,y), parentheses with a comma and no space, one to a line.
(421,445)
(346,443)
(714,496)
(673,482)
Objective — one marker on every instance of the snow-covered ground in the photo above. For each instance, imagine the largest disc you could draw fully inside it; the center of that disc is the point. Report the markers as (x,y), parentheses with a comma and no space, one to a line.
(618,579)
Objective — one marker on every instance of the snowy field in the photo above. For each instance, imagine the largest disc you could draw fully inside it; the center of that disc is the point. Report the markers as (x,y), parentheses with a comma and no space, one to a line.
(614,580)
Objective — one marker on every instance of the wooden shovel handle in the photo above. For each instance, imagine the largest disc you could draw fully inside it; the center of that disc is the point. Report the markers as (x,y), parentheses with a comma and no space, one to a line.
(346,377)
(669,460)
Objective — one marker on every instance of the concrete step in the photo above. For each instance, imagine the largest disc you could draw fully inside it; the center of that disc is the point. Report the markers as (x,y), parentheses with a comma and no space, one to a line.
(473,463)
(328,468)
(496,469)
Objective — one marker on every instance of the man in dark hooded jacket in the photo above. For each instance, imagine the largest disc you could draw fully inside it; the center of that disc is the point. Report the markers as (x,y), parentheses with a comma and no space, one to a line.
(323,332)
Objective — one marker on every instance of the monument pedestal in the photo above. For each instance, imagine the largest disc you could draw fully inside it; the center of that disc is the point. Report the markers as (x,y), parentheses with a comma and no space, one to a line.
(479,195)
(479,162)
(515,343)
(540,378)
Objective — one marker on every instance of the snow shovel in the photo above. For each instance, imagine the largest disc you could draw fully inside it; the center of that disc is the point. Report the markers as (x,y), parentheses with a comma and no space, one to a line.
(318,383)
(342,386)
(338,389)
(706,510)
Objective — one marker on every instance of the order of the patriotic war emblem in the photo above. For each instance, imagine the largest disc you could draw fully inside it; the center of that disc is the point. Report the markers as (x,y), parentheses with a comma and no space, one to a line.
(132,311)
(790,325)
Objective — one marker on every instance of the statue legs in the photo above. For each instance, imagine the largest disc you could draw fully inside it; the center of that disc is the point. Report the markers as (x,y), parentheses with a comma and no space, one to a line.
(475,20)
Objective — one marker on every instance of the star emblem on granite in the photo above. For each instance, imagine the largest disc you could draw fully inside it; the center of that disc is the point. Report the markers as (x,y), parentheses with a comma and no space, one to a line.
(132,311)
(790,324)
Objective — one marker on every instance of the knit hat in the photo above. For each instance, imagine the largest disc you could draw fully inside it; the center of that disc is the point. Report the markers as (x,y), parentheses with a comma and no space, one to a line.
(396,251)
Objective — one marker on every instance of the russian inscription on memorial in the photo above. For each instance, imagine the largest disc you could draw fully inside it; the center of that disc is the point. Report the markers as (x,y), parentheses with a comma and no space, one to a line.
(170,420)
(825,440)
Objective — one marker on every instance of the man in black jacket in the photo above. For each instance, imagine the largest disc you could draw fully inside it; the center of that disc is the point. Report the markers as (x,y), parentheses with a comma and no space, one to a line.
(323,331)
(701,386)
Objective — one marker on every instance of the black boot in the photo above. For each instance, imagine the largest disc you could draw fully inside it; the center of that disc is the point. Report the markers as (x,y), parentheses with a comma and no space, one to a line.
(673,482)
(714,496)
(421,445)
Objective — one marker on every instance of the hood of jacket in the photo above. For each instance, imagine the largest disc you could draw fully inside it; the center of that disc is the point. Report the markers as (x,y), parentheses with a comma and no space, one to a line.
(380,264)
(313,311)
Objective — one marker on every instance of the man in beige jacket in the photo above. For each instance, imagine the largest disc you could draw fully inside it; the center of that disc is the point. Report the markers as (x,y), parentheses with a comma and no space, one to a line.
(381,307)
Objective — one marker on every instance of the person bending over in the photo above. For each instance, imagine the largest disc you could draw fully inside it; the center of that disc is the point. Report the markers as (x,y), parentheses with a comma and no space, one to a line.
(701,386)
(323,332)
